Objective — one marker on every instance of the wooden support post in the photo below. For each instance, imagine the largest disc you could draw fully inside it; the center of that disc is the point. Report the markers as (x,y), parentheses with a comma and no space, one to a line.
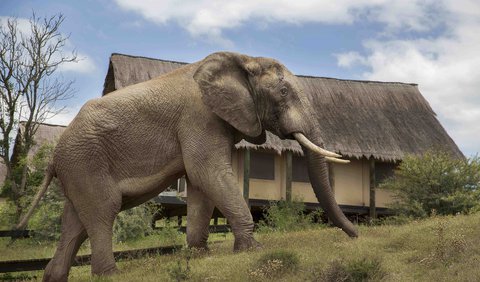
(288,176)
(246,175)
(373,211)
(215,221)
(179,220)
(182,184)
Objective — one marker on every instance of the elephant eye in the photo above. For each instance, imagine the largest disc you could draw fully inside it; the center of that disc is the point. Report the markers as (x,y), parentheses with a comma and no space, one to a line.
(284,91)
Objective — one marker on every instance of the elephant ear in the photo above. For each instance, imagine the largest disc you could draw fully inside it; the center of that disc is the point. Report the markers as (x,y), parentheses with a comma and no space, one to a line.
(224,80)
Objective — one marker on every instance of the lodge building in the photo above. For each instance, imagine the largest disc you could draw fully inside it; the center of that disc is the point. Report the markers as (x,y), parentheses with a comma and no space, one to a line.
(373,124)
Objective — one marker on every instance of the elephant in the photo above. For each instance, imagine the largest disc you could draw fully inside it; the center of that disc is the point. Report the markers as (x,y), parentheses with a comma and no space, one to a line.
(126,147)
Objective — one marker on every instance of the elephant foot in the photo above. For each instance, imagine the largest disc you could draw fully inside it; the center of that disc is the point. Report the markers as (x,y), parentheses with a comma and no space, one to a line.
(55,277)
(200,248)
(197,243)
(55,272)
(47,277)
(246,244)
(112,270)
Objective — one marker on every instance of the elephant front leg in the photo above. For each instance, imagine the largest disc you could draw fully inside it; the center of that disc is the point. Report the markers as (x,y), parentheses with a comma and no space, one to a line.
(221,188)
(199,213)
(207,155)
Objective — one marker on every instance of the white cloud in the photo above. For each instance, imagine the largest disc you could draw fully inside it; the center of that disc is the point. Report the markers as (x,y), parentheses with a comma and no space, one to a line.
(349,59)
(446,67)
(23,25)
(84,65)
(65,117)
(441,53)
(209,18)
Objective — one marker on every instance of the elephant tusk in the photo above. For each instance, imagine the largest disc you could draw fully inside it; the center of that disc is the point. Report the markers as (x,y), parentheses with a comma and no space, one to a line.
(335,160)
(312,147)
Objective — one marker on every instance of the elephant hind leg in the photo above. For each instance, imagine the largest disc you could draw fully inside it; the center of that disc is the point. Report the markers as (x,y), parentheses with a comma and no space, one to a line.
(72,237)
(98,206)
(99,225)
(199,213)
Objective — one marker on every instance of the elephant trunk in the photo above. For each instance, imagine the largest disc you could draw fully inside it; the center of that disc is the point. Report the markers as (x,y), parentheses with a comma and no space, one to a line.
(318,172)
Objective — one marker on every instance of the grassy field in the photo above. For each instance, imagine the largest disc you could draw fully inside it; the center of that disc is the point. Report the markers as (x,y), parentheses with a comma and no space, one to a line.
(437,249)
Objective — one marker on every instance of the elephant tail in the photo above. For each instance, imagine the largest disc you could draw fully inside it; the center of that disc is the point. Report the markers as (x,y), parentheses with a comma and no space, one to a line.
(49,174)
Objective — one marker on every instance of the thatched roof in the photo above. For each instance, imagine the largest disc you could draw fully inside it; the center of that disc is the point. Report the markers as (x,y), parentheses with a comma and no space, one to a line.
(125,70)
(384,120)
(46,133)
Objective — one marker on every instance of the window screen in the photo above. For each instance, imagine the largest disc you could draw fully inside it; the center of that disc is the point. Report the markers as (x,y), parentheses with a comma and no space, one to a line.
(299,169)
(383,171)
(262,165)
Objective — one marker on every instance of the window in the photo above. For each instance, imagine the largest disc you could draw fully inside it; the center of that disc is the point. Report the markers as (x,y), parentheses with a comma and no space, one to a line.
(299,169)
(383,171)
(262,165)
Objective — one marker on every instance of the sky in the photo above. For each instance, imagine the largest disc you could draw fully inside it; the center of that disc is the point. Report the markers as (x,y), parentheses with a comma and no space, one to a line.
(434,43)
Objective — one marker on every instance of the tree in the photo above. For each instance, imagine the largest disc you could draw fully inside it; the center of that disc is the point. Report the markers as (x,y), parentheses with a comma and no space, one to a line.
(29,90)
(435,183)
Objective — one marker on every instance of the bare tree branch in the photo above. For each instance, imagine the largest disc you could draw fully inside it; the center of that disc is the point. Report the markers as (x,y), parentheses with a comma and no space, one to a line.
(29,87)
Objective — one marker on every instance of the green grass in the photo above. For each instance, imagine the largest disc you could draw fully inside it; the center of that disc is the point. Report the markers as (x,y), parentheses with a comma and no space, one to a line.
(27,248)
(435,249)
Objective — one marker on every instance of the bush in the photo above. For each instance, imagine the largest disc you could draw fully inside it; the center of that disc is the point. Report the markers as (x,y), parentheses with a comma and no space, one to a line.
(177,271)
(287,216)
(46,219)
(133,223)
(391,220)
(449,244)
(435,182)
(7,215)
(366,269)
(169,234)
(275,264)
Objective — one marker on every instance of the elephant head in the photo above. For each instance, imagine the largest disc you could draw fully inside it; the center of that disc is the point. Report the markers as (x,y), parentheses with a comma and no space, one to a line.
(258,94)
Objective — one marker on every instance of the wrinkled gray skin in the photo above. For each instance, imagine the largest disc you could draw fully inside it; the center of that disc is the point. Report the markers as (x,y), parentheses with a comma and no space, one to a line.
(127,147)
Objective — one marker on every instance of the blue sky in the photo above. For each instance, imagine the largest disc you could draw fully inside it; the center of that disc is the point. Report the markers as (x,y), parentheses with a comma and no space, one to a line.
(432,43)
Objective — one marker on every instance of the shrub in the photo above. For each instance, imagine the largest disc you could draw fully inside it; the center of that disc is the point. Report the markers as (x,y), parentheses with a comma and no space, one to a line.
(449,244)
(435,182)
(133,223)
(7,215)
(46,219)
(274,264)
(179,271)
(169,234)
(365,269)
(18,277)
(287,216)
(393,220)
